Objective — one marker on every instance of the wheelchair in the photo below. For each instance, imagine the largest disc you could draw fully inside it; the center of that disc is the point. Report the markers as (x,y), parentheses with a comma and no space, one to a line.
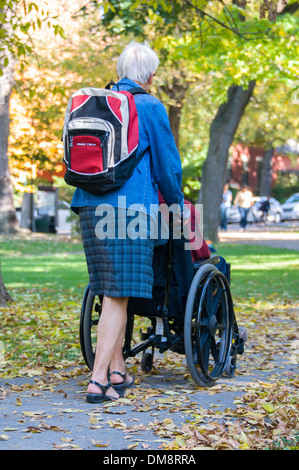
(191,312)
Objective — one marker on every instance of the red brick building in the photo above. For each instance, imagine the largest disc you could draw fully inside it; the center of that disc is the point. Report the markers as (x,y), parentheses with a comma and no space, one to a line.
(245,164)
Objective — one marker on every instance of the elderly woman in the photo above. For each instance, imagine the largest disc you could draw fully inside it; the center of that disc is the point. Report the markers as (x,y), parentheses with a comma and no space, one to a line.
(121,267)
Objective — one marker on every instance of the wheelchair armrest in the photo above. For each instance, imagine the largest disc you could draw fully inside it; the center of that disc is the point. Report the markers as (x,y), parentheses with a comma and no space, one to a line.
(212,260)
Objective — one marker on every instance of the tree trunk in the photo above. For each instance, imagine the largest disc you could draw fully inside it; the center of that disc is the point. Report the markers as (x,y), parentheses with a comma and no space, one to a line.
(176,91)
(174,114)
(222,132)
(4,295)
(266,176)
(8,219)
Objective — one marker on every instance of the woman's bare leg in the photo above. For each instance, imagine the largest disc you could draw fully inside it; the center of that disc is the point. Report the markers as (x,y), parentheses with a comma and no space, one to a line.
(118,362)
(110,336)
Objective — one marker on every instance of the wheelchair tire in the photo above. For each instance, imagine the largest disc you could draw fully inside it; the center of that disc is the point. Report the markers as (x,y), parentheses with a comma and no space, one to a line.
(90,314)
(208,325)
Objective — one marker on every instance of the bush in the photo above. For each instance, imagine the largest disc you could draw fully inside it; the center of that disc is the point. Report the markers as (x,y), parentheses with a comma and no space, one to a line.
(286,185)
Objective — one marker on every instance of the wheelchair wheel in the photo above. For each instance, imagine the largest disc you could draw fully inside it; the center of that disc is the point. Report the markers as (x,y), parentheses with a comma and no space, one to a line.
(208,326)
(90,314)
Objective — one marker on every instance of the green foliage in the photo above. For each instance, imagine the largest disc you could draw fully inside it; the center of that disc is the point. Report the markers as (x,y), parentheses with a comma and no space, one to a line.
(18,20)
(66,191)
(118,19)
(272,117)
(211,44)
(231,42)
(286,185)
(219,44)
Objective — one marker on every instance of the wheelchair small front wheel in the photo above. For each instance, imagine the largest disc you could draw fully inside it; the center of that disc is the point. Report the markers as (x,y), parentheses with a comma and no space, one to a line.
(231,366)
(147,361)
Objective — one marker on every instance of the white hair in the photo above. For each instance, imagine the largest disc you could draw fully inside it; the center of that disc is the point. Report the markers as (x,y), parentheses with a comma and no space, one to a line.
(137,62)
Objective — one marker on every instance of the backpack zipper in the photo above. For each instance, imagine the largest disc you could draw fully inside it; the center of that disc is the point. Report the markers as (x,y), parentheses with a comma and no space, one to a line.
(97,125)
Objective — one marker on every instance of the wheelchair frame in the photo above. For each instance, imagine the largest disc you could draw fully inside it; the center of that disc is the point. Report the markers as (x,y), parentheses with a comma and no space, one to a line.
(208,334)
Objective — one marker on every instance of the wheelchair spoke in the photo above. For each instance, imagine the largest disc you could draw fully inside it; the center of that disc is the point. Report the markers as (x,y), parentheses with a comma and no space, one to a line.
(209,298)
(203,338)
(214,350)
(216,302)
(202,321)
(204,310)
(212,300)
(205,352)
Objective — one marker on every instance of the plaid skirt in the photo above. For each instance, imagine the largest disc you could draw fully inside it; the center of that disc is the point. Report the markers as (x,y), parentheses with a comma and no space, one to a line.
(117,266)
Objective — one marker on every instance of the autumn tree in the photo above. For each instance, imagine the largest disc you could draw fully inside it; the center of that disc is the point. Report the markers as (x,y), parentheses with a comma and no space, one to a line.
(56,68)
(229,114)
(236,43)
(19,19)
(16,20)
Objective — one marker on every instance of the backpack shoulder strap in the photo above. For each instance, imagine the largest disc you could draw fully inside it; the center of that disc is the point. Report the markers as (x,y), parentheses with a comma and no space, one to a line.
(134,91)
(137,91)
(108,86)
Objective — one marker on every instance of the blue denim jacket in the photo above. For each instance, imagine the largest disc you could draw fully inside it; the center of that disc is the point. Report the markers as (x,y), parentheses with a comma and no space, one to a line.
(159,168)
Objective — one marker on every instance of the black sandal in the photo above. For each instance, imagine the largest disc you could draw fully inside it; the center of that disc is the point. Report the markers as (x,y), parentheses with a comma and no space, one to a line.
(119,387)
(102,397)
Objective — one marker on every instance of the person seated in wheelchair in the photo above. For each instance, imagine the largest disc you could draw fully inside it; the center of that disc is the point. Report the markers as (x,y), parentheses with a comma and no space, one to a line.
(189,249)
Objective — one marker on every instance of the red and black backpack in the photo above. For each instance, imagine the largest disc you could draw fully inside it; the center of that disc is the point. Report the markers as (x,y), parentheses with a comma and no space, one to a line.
(100,137)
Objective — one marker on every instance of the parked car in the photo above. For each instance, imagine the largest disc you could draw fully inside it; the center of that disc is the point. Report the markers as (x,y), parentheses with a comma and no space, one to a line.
(274,214)
(255,215)
(290,209)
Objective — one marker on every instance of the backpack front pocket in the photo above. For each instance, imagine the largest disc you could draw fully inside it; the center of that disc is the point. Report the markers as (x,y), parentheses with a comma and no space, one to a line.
(87,152)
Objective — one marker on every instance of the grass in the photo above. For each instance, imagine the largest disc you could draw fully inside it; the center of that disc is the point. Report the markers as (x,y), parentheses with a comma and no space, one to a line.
(286,444)
(46,275)
(48,262)
(260,271)
(58,264)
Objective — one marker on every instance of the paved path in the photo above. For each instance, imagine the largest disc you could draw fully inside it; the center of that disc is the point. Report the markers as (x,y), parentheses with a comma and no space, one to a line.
(277,236)
(57,417)
(48,411)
